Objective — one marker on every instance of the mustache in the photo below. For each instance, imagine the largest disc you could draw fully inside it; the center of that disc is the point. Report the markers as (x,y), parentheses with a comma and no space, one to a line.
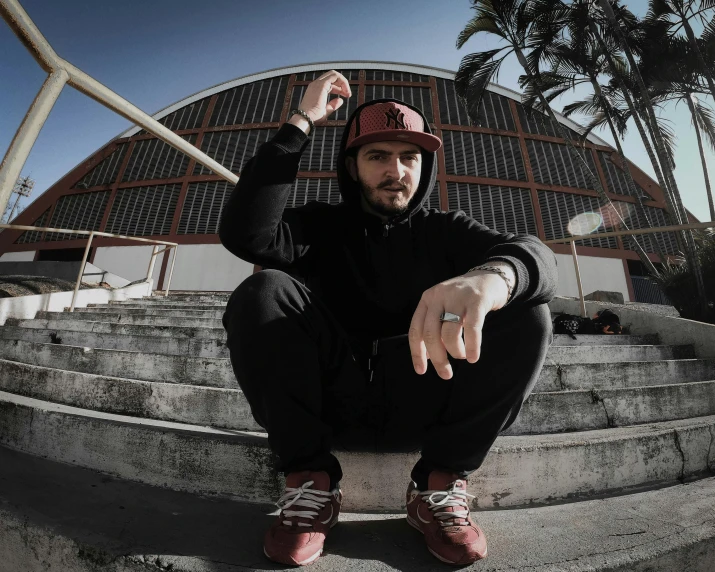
(392,183)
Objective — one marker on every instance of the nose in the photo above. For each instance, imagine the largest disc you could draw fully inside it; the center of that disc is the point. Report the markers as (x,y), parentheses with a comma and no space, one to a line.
(395,169)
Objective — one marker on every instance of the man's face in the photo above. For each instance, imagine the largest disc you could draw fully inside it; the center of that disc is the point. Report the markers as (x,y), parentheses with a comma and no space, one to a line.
(389,174)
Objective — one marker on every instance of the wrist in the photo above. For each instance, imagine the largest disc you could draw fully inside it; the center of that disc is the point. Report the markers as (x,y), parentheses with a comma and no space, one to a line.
(503,273)
(300,122)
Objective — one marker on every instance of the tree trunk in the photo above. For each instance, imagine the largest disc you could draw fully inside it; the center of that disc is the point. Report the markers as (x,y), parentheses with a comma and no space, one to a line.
(631,183)
(668,172)
(707,72)
(708,190)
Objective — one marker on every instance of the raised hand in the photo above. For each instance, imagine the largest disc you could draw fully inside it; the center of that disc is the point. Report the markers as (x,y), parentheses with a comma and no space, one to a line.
(315,99)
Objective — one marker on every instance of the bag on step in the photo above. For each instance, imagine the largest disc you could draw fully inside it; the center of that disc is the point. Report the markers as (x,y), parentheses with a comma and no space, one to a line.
(607,322)
(572,325)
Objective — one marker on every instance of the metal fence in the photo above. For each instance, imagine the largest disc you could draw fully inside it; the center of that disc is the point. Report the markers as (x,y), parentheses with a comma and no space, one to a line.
(647,291)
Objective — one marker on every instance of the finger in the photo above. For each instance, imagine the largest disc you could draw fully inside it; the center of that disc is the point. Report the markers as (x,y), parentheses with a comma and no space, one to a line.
(433,341)
(333,105)
(473,324)
(452,339)
(414,335)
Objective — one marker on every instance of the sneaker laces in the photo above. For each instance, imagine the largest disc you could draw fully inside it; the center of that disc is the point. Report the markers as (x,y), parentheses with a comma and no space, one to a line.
(451,497)
(302,496)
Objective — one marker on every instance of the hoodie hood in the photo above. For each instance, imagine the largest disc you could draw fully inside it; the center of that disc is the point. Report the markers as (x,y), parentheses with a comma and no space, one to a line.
(350,189)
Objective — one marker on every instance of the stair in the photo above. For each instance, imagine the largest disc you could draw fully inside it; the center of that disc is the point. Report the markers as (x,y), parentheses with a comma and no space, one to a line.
(142,392)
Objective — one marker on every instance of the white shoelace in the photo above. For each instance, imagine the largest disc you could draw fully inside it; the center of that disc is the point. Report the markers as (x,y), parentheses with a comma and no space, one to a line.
(302,496)
(449,498)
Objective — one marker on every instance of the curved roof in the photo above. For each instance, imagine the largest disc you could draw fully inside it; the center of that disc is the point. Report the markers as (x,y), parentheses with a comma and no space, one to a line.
(351,64)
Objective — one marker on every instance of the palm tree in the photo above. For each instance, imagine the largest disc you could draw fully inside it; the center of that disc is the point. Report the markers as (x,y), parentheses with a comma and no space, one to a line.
(516,22)
(676,14)
(647,104)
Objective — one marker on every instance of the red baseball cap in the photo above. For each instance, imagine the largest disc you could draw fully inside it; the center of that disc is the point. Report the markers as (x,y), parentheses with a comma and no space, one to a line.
(390,121)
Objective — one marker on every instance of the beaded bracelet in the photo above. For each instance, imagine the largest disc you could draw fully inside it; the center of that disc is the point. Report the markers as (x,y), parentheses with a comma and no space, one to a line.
(498,271)
(304,115)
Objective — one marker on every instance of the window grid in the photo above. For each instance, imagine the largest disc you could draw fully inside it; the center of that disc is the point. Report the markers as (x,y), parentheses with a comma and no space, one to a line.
(392,75)
(78,212)
(494,109)
(34,235)
(558,209)
(321,154)
(539,123)
(553,164)
(617,179)
(143,211)
(483,155)
(653,217)
(232,149)
(190,116)
(257,102)
(350,75)
(419,97)
(106,172)
(201,213)
(504,209)
(153,159)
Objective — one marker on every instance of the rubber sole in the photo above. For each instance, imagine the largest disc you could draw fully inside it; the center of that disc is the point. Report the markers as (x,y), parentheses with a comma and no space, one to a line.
(305,562)
(416,526)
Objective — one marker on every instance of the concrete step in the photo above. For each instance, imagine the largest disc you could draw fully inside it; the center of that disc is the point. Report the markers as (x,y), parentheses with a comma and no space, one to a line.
(227,407)
(150,311)
(210,372)
(166,305)
(565,340)
(60,518)
(520,471)
(184,346)
(609,354)
(197,297)
(79,325)
(138,319)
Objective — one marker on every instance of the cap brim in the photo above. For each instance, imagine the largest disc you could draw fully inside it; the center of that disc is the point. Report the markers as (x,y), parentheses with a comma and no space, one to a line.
(425,140)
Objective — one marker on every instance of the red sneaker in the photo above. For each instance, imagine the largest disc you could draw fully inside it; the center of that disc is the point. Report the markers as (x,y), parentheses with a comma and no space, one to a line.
(442,515)
(308,511)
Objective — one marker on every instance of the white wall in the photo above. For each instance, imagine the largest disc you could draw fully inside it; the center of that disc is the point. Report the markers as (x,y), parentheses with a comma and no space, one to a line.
(28,255)
(206,267)
(130,262)
(596,274)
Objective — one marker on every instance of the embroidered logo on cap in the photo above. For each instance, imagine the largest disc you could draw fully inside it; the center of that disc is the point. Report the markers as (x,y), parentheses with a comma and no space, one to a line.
(397,117)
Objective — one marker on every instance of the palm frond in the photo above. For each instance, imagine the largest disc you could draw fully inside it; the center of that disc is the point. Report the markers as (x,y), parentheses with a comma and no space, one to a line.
(599,121)
(588,106)
(480,23)
(669,138)
(474,74)
(706,121)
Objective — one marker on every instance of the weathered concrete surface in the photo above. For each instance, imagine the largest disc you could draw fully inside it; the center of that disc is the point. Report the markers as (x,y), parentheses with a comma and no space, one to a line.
(150,311)
(608,354)
(624,374)
(226,408)
(212,372)
(211,406)
(141,319)
(170,305)
(524,470)
(59,518)
(672,331)
(80,325)
(645,339)
(199,348)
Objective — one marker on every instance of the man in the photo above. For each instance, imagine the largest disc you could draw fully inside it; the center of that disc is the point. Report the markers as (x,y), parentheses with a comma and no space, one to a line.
(331,342)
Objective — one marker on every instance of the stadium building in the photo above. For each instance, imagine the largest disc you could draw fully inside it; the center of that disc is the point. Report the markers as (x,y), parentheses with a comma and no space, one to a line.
(511,171)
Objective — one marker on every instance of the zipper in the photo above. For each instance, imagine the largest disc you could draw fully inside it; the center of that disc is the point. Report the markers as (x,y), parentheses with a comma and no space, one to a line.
(385,229)
(369,361)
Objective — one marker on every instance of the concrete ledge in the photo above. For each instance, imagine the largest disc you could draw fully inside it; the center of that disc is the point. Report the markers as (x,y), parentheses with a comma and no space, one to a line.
(59,518)
(134,319)
(25,307)
(520,471)
(672,331)
(226,408)
(210,372)
(150,311)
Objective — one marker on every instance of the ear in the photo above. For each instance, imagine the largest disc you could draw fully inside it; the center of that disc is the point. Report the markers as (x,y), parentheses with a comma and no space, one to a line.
(351,166)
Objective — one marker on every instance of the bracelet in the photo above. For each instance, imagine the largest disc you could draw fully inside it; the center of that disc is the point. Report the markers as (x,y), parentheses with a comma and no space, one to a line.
(304,115)
(498,271)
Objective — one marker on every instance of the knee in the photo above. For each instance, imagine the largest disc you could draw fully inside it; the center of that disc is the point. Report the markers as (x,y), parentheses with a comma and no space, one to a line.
(521,324)
(257,292)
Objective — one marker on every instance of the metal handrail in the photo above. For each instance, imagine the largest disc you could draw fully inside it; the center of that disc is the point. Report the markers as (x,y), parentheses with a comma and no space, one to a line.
(92,234)
(573,239)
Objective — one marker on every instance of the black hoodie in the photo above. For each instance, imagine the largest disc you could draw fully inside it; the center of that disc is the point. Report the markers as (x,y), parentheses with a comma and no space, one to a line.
(370,274)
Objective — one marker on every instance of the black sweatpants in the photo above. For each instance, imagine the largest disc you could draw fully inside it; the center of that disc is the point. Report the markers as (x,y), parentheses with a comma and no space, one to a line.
(313,389)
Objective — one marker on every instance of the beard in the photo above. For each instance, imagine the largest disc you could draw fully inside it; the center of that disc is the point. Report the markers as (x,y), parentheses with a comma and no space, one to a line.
(383,203)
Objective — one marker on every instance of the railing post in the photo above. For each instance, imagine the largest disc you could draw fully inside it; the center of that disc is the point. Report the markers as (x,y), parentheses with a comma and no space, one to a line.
(81,270)
(171,270)
(578,278)
(152,260)
(27,133)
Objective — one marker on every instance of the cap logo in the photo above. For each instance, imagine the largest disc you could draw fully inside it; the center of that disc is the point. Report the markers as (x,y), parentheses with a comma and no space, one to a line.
(397,117)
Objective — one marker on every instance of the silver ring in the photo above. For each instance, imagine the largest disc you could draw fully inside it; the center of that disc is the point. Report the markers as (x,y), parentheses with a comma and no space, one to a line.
(449,317)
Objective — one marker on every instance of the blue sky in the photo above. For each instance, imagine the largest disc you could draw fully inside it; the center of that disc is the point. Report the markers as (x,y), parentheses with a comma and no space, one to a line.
(159,51)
